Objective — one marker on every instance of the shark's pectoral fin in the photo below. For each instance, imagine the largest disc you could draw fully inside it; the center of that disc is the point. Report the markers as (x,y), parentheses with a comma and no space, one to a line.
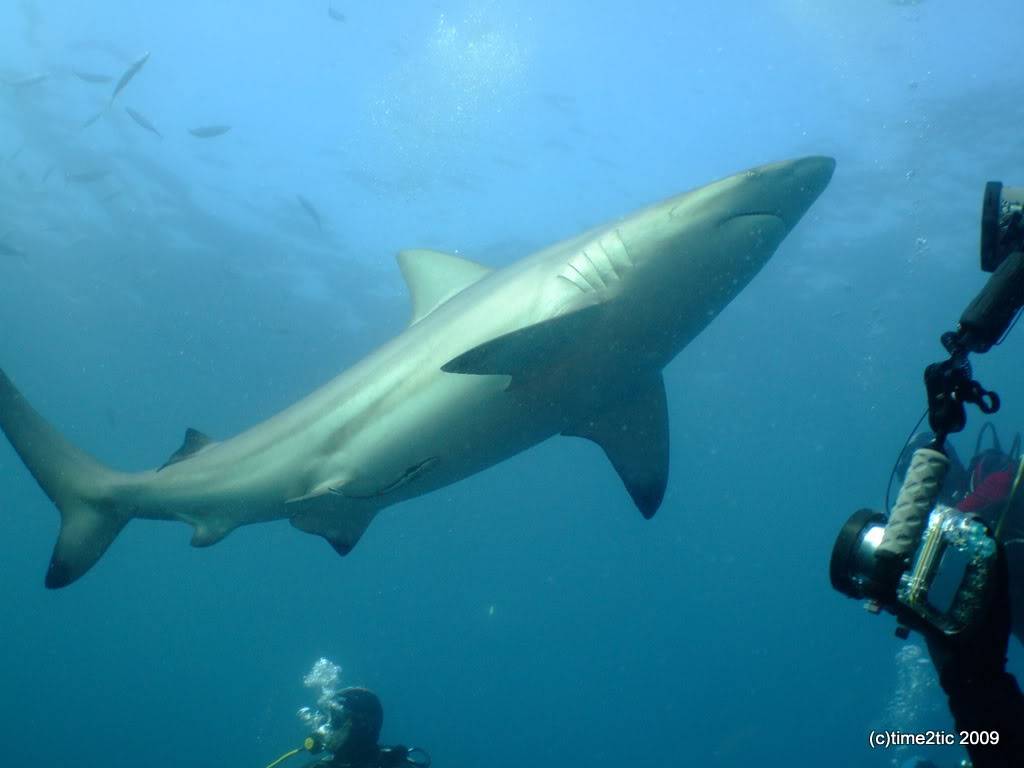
(434,277)
(634,436)
(194,442)
(341,527)
(528,350)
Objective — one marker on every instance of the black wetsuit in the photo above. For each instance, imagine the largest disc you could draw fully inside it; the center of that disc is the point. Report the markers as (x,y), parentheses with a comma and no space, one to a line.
(983,697)
(983,705)
(378,757)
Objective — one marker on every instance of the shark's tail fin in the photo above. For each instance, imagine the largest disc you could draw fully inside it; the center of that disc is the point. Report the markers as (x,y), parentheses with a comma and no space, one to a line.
(79,485)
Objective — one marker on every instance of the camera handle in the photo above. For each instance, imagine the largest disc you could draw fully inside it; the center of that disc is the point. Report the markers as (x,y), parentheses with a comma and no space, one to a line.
(950,387)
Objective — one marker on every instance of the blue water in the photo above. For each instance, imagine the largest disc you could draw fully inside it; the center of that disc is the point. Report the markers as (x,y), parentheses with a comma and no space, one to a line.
(527,616)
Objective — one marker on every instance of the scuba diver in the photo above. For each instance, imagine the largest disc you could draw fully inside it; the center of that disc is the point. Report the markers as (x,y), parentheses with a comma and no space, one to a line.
(958,587)
(943,558)
(971,666)
(983,488)
(345,728)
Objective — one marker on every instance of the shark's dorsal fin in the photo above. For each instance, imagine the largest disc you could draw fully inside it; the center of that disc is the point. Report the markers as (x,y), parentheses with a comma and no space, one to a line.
(528,350)
(194,442)
(434,277)
(634,436)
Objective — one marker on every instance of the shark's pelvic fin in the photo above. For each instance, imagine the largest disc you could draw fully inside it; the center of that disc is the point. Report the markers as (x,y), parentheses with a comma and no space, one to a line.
(529,350)
(434,277)
(80,486)
(194,442)
(342,527)
(208,533)
(634,436)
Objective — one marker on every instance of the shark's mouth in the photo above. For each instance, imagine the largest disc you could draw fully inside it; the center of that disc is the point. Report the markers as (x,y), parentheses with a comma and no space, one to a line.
(763,230)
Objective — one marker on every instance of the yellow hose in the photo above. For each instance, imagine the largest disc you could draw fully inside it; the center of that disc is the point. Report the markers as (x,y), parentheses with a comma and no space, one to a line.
(286,755)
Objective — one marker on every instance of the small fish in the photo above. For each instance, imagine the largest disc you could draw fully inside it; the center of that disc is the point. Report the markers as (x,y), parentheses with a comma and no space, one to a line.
(91,77)
(9,250)
(142,121)
(209,131)
(335,14)
(86,177)
(25,82)
(47,173)
(14,154)
(94,118)
(112,196)
(126,78)
(308,207)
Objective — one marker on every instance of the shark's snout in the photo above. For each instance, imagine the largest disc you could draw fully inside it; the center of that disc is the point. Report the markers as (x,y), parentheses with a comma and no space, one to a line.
(762,204)
(784,190)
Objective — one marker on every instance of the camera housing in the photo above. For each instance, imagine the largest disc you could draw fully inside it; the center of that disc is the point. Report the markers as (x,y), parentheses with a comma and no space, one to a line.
(852,565)
(947,583)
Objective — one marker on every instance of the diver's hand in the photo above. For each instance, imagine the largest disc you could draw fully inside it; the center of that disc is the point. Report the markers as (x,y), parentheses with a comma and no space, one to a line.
(972,671)
(392,757)
(978,653)
(399,755)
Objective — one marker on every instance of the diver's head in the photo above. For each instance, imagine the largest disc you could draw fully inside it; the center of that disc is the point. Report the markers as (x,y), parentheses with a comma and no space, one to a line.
(956,482)
(356,719)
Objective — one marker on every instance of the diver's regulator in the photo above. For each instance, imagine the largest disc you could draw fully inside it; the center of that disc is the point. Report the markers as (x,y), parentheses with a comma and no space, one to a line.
(928,562)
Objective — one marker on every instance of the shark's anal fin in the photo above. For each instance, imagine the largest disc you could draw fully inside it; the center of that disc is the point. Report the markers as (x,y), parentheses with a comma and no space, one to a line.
(434,277)
(194,442)
(528,350)
(634,436)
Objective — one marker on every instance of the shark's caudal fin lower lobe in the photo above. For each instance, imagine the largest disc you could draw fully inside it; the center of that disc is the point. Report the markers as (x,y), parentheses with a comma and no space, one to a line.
(78,484)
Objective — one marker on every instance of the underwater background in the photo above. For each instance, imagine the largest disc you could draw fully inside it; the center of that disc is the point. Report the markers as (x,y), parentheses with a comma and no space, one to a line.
(527,616)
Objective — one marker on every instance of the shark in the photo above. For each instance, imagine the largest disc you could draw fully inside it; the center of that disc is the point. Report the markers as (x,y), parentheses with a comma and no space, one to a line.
(570,340)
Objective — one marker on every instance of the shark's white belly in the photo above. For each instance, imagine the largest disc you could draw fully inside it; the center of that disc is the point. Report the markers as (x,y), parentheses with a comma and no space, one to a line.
(392,427)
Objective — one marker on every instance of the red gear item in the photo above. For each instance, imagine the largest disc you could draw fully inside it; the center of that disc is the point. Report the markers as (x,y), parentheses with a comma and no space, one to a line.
(994,488)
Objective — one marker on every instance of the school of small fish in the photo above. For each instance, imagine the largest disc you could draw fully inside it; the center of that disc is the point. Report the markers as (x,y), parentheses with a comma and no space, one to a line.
(87,175)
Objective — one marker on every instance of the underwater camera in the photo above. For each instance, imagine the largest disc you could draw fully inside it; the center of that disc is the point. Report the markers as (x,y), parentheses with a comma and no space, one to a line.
(950,555)
(928,562)
(1002,224)
(991,313)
